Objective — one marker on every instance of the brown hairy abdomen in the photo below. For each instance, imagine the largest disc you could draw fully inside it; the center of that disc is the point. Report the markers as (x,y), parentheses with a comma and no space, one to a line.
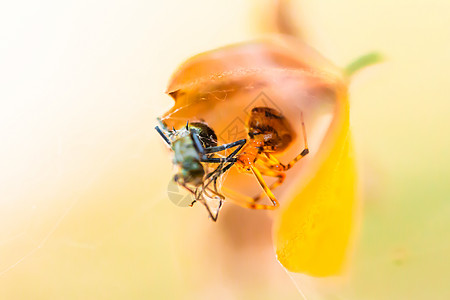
(271,127)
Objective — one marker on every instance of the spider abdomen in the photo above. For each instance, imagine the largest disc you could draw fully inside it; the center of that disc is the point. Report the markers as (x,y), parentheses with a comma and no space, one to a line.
(271,128)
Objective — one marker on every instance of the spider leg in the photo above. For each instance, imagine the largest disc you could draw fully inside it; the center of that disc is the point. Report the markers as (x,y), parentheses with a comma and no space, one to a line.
(245,201)
(236,197)
(250,202)
(302,154)
(267,158)
(281,176)
(264,186)
(282,167)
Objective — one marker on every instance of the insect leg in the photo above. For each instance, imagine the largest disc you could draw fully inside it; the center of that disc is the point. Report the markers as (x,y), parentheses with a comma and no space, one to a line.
(165,138)
(191,191)
(213,217)
(198,144)
(221,198)
(198,196)
(205,189)
(214,175)
(226,146)
(229,158)
(217,172)
(201,150)
(217,160)
(161,123)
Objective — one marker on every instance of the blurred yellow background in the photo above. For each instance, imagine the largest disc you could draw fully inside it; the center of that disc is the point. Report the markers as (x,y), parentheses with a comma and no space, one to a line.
(84,212)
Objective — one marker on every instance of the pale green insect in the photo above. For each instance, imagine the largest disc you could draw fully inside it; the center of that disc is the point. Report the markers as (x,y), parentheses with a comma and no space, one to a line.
(193,146)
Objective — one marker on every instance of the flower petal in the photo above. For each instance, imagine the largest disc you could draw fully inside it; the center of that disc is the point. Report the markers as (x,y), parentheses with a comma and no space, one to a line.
(314,223)
(312,232)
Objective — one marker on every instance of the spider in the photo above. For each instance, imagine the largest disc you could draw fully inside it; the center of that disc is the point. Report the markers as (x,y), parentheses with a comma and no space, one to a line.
(269,133)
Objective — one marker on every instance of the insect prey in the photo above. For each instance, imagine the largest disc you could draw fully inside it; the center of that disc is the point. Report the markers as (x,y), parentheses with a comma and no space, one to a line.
(194,146)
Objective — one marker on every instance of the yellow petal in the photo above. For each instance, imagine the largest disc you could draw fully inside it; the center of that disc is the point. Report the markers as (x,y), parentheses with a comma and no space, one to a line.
(312,232)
